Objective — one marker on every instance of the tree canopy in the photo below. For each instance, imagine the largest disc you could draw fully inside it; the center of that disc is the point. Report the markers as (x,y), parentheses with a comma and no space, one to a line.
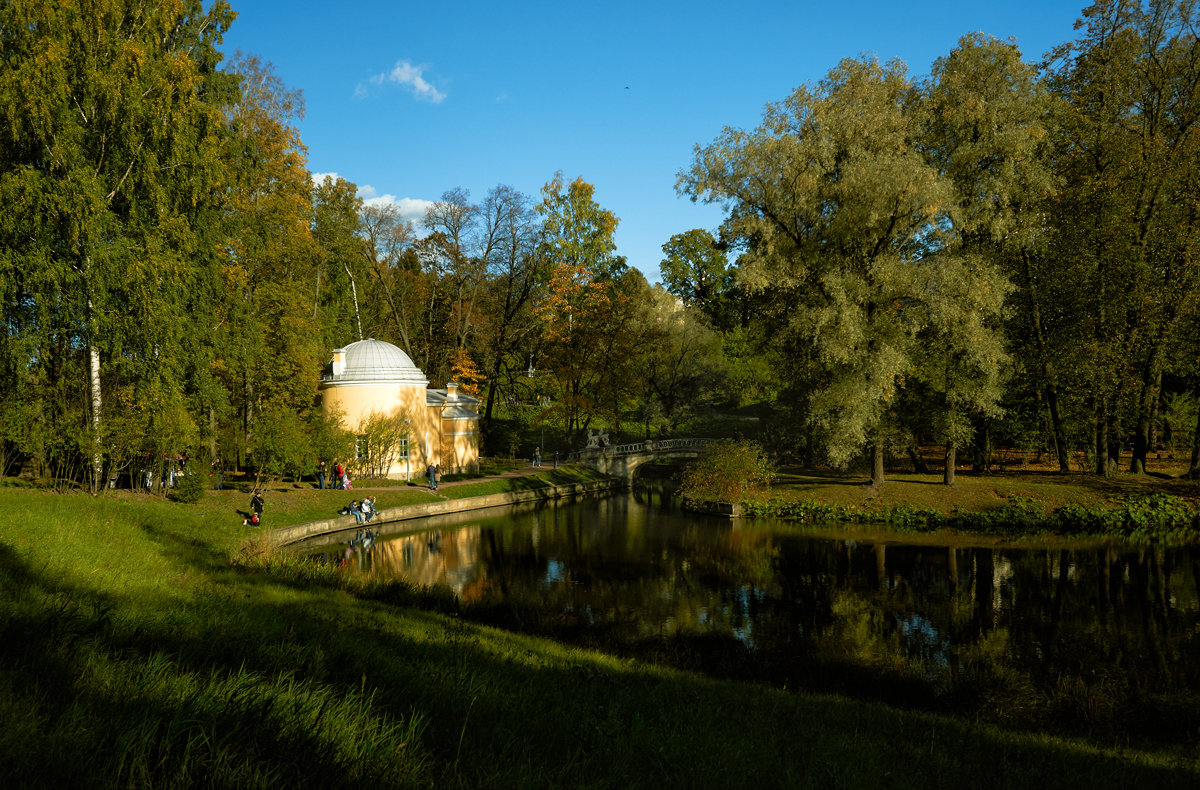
(999,251)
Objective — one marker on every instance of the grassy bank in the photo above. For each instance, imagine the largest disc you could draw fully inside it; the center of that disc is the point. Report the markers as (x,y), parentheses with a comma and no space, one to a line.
(142,644)
(1130,507)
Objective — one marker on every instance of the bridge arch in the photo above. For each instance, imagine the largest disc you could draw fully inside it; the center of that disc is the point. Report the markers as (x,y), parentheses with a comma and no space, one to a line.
(623,460)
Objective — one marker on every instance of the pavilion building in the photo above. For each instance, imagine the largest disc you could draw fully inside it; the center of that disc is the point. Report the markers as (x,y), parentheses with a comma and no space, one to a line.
(373,377)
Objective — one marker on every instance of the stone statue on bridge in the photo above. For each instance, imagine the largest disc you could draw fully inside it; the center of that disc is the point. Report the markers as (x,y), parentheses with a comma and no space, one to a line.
(597,440)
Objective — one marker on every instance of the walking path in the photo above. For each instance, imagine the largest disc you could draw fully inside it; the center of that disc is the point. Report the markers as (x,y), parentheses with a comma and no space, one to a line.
(523,471)
(444,506)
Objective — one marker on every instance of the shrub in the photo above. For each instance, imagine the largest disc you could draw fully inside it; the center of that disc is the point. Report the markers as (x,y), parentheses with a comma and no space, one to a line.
(189,488)
(727,471)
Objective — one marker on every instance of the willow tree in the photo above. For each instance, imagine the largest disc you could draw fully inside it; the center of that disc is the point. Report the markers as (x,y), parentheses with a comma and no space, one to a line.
(835,202)
(109,143)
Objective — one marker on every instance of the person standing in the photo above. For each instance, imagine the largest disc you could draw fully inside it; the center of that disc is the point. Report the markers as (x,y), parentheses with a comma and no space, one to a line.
(321,474)
(437,473)
(429,477)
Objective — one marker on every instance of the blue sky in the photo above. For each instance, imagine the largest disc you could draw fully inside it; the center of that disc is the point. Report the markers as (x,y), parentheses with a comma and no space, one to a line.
(408,100)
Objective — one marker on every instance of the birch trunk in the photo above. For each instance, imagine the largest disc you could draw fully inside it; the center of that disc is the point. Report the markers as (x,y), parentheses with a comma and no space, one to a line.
(97,402)
(354,294)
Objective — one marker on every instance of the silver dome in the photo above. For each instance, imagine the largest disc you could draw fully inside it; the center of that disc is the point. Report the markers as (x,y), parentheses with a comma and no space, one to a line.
(370,361)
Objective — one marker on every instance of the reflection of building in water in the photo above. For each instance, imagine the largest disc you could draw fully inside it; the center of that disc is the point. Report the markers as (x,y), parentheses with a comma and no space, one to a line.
(450,557)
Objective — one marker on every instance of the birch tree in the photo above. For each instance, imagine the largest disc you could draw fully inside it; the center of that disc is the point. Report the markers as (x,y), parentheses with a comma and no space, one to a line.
(109,131)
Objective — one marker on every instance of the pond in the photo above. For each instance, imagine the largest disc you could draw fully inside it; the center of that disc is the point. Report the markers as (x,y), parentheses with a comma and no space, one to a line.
(1097,639)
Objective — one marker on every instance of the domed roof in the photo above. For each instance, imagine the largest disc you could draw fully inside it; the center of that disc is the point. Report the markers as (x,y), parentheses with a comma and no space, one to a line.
(371,361)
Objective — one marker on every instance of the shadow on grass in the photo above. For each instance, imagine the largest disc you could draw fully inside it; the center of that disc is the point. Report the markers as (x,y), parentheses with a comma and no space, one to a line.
(260,683)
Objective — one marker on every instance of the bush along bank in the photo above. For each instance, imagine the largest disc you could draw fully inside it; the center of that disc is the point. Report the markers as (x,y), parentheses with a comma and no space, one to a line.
(1144,519)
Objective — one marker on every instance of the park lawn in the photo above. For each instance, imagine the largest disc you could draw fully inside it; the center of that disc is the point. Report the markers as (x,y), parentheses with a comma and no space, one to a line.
(973,492)
(149,643)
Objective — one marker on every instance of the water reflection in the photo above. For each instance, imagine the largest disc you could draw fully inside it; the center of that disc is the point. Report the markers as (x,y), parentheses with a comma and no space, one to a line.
(1101,639)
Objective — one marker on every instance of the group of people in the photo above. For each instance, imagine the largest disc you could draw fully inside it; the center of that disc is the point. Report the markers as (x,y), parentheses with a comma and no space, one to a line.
(363,511)
(341,478)
(432,473)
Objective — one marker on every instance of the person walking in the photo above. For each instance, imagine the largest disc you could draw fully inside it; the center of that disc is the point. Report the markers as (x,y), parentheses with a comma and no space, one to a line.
(256,509)
(429,472)
(339,476)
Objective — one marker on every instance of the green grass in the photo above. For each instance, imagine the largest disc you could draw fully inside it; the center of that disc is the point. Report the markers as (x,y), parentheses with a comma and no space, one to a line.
(976,492)
(1135,508)
(149,643)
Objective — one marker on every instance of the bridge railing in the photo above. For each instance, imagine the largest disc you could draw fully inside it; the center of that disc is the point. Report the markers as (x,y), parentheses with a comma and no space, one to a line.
(637,448)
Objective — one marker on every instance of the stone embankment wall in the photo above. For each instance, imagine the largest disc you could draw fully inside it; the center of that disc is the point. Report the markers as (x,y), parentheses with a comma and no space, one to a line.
(285,536)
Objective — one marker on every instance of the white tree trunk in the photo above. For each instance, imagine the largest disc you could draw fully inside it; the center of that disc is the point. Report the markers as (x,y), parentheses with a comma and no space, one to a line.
(97,402)
(354,294)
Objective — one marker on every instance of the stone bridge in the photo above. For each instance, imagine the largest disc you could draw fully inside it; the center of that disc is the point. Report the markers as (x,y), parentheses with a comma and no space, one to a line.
(623,460)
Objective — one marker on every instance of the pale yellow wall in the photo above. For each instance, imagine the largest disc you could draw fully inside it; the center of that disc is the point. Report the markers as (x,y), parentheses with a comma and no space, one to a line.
(460,445)
(430,440)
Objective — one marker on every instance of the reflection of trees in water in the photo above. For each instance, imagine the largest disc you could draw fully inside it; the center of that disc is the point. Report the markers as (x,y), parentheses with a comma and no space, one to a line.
(1101,639)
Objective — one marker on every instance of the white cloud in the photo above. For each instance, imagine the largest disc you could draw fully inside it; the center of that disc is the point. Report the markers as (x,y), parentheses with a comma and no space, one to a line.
(409,208)
(319,178)
(405,74)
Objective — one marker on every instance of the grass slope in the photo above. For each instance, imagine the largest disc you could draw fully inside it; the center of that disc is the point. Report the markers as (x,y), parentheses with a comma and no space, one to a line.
(141,646)
(977,492)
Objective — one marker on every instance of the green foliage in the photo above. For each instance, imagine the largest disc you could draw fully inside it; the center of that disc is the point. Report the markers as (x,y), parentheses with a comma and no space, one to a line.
(577,232)
(679,363)
(191,484)
(900,258)
(697,271)
(1159,518)
(384,434)
(282,445)
(837,205)
(330,440)
(1179,418)
(727,471)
